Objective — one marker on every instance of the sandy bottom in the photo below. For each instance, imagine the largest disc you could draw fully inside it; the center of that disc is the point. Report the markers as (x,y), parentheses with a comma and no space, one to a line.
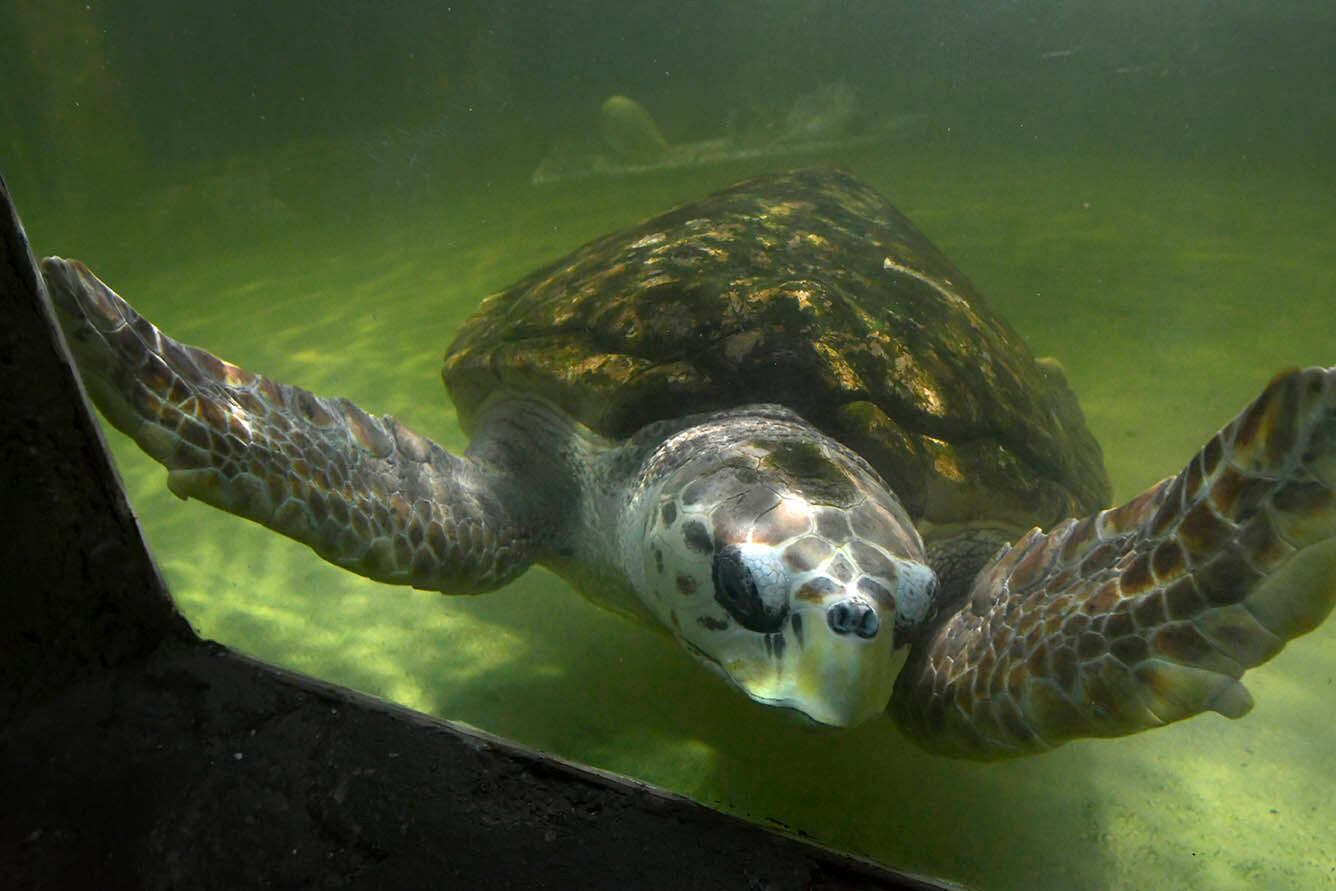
(1170,291)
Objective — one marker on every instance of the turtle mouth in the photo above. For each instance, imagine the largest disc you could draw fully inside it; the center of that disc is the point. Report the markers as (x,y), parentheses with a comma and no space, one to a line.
(828,677)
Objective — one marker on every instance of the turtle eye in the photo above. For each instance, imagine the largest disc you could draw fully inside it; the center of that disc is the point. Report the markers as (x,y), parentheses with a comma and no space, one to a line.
(735,589)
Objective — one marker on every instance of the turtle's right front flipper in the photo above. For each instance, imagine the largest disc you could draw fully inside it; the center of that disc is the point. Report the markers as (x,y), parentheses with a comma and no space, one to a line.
(1150,612)
(365,493)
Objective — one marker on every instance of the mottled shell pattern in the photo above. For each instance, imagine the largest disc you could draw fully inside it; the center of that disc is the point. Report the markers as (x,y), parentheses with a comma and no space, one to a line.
(808,290)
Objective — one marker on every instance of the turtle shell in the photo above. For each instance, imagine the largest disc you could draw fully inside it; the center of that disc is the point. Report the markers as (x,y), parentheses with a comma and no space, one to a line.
(806,289)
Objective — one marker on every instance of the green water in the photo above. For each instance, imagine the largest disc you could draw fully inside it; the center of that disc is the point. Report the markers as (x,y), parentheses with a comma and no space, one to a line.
(1171,275)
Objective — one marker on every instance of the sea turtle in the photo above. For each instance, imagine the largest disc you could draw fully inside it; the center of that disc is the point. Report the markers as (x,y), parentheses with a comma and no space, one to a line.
(780,425)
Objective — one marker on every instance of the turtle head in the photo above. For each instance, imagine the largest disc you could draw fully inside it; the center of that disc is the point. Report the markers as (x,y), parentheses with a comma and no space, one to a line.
(786,565)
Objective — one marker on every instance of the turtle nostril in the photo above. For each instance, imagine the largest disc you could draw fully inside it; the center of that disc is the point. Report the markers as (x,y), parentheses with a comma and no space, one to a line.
(853,617)
(868,624)
(840,618)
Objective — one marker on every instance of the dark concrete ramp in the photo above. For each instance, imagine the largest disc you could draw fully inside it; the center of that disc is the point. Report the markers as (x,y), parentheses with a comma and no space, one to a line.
(134,755)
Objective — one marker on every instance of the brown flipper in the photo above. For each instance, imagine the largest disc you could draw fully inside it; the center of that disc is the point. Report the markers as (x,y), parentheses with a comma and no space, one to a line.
(365,493)
(1146,613)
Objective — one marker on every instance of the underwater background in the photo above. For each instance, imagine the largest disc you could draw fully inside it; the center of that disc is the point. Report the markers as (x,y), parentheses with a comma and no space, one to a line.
(324,191)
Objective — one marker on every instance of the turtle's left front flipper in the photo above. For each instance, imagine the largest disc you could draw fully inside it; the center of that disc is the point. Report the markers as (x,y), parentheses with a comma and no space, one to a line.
(1150,612)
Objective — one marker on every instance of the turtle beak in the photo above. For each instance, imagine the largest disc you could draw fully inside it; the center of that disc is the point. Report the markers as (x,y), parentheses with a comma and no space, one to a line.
(843,673)
(843,666)
(834,662)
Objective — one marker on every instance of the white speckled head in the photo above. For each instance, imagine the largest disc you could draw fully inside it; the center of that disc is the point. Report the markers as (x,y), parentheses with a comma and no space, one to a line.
(788,567)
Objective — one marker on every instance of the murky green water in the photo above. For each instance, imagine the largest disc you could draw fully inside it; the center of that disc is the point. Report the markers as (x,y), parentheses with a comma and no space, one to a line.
(1170,275)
